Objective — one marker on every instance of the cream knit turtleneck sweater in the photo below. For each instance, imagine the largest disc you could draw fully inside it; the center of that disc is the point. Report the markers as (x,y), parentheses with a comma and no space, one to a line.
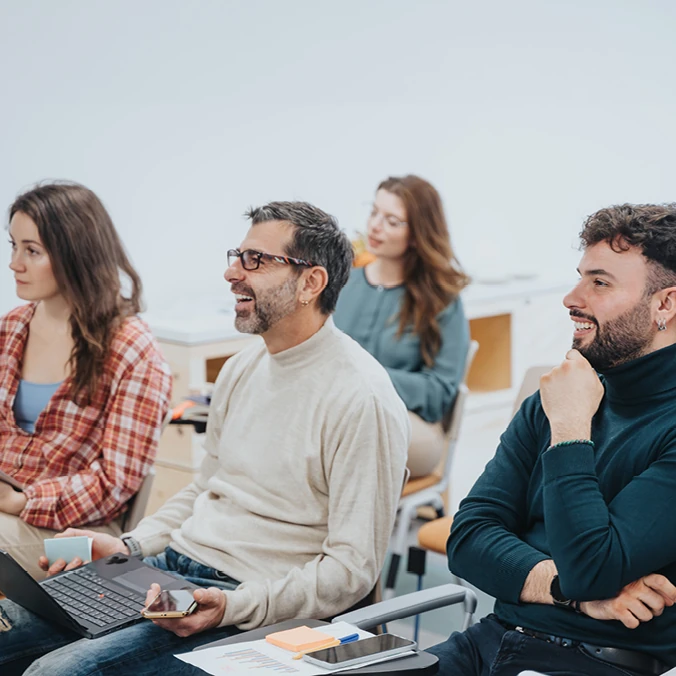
(298,491)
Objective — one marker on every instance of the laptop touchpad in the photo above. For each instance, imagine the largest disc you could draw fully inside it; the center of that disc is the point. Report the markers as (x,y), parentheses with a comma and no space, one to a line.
(141,579)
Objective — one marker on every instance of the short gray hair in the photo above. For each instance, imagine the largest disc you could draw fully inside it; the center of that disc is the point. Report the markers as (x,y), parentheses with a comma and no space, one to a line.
(316,238)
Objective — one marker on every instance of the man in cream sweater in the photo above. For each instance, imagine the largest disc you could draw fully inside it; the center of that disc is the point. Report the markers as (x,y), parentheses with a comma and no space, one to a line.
(292,510)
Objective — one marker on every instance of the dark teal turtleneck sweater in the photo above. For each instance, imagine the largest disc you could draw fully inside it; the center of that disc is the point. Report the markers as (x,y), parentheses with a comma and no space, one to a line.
(604,515)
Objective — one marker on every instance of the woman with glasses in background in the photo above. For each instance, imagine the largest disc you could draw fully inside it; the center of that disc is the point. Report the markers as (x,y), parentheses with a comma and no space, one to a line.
(404,308)
(83,387)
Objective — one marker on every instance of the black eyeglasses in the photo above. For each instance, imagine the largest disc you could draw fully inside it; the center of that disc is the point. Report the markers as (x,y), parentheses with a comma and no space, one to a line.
(251,259)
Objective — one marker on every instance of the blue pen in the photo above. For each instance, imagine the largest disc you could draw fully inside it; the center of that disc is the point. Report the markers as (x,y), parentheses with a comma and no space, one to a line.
(349,639)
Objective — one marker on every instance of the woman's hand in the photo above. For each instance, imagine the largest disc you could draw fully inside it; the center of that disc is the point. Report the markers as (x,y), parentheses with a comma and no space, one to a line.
(11,501)
(102,545)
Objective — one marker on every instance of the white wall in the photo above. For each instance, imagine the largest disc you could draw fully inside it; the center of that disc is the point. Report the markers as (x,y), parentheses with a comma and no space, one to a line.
(526,115)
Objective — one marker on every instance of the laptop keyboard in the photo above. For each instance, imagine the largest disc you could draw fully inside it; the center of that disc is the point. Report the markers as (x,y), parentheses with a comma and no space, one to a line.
(86,595)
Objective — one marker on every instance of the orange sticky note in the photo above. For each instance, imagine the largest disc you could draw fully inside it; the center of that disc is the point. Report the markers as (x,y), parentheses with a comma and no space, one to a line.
(299,639)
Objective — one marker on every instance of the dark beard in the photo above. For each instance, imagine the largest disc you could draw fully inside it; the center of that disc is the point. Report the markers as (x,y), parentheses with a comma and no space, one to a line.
(619,340)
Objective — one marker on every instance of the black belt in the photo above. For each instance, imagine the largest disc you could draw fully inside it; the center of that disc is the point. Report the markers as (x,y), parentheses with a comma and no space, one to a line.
(628,659)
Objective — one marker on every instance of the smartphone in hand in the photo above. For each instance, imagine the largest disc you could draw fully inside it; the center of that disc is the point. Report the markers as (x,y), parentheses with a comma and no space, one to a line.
(170,603)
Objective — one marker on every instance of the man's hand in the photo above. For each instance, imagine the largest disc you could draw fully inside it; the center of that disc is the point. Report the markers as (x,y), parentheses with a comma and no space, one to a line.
(638,602)
(571,394)
(209,612)
(102,545)
(11,501)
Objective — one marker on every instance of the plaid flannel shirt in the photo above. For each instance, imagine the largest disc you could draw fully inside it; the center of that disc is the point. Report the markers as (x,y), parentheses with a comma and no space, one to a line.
(82,464)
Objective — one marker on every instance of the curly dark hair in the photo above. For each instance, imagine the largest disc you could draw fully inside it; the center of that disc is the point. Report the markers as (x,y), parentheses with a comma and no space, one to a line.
(649,227)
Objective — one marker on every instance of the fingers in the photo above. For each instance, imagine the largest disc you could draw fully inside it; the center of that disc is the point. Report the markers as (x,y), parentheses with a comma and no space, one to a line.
(43,562)
(75,563)
(71,533)
(209,597)
(627,619)
(640,611)
(662,586)
(152,593)
(56,567)
(208,614)
(652,600)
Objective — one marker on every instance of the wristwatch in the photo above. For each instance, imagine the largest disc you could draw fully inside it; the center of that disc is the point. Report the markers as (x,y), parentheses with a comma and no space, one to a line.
(133,546)
(557,595)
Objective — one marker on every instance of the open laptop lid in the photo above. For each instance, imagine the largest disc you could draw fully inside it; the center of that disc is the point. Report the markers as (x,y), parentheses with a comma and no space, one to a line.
(18,586)
(128,572)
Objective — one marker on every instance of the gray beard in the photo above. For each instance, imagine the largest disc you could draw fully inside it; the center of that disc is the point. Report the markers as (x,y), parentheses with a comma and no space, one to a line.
(269,308)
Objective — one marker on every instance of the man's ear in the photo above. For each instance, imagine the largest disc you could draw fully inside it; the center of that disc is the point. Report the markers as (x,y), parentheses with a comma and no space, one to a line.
(666,308)
(313,282)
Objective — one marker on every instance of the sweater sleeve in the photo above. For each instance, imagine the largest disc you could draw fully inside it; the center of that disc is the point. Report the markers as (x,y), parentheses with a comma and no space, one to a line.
(430,392)
(98,493)
(364,476)
(485,547)
(600,547)
(154,532)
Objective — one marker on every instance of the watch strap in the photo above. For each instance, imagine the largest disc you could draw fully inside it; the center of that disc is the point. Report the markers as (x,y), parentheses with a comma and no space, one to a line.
(133,546)
(558,597)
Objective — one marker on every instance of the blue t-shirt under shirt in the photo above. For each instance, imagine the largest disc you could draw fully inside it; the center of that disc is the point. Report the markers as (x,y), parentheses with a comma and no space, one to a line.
(31,399)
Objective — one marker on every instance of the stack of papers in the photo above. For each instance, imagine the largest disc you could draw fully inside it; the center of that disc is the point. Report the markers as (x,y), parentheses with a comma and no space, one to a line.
(261,657)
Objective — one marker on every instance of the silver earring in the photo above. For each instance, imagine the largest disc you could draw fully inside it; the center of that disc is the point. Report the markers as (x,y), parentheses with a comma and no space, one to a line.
(661,324)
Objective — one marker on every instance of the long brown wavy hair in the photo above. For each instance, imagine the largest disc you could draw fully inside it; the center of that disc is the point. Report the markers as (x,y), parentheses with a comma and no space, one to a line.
(87,258)
(433,276)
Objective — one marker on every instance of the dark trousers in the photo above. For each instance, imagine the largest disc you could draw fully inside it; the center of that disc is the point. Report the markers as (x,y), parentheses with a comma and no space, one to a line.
(488,649)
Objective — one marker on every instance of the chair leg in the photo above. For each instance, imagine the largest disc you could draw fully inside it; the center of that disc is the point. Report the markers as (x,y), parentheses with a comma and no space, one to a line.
(391,578)
(406,515)
(417,559)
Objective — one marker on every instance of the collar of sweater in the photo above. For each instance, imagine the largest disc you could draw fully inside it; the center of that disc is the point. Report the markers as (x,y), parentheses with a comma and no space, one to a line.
(309,350)
(644,379)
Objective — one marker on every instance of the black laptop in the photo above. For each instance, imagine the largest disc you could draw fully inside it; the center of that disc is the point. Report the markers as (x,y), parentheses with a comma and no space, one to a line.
(92,600)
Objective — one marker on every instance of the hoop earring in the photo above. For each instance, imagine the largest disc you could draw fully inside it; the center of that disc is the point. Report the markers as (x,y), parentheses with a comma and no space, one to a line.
(661,324)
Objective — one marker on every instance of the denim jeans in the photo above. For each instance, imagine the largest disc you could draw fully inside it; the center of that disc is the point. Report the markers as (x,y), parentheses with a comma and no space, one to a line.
(29,643)
(488,649)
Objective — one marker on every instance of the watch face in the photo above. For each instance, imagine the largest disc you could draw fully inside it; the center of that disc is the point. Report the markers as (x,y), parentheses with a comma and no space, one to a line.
(557,594)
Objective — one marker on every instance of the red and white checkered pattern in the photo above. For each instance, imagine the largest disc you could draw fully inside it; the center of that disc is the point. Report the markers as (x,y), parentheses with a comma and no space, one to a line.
(83,464)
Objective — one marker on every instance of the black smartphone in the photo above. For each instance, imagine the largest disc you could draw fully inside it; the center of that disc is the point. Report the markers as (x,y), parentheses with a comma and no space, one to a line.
(175,603)
(366,650)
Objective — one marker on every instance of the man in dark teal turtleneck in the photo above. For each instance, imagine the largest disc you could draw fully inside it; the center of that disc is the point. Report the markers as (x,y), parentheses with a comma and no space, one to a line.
(571,526)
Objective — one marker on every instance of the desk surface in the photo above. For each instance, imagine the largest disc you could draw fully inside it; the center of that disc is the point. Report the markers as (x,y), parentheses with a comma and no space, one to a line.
(210,318)
(421,664)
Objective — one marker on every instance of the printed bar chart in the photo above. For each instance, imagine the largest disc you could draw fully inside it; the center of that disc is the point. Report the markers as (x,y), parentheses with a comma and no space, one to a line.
(254,659)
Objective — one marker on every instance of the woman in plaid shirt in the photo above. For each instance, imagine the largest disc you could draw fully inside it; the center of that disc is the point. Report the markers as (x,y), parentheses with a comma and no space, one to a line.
(83,386)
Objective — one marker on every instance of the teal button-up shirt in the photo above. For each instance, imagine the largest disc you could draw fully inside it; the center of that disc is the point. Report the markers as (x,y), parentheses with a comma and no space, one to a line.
(369,314)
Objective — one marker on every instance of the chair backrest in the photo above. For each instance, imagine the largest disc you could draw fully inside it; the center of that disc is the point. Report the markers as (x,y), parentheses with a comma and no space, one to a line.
(451,420)
(529,385)
(138,504)
(455,419)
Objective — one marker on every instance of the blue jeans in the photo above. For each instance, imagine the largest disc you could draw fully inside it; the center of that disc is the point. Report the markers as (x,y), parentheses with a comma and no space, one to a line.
(488,649)
(29,643)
